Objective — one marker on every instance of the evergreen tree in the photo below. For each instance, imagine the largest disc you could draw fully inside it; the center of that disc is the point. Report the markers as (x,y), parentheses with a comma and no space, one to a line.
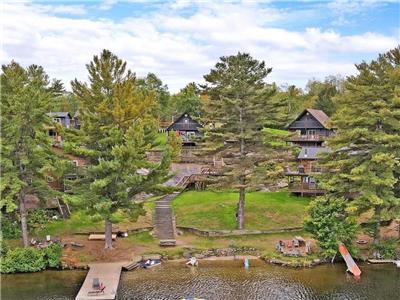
(321,95)
(25,147)
(118,126)
(238,106)
(366,148)
(188,100)
(287,104)
(152,84)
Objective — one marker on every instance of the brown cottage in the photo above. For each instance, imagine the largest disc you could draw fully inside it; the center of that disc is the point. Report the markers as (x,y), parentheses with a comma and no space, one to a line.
(302,181)
(311,128)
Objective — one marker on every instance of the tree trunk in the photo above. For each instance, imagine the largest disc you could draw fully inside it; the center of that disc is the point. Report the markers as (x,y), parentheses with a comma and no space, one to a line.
(377,220)
(108,234)
(23,214)
(240,208)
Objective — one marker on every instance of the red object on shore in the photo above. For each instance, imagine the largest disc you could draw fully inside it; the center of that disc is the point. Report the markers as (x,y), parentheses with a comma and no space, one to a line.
(351,265)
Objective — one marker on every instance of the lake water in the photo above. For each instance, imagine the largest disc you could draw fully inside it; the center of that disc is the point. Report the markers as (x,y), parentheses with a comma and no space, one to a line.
(218,280)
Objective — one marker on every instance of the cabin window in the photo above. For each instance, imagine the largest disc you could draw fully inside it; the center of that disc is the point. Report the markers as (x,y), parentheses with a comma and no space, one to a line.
(191,134)
(186,121)
(311,132)
(49,179)
(52,132)
(57,120)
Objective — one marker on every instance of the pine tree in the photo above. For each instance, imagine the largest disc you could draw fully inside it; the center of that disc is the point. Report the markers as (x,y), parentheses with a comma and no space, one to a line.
(152,84)
(287,104)
(187,100)
(118,126)
(366,148)
(238,106)
(25,147)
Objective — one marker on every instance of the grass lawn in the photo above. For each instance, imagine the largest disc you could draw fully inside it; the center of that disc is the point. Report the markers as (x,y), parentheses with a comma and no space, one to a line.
(80,221)
(216,210)
(161,140)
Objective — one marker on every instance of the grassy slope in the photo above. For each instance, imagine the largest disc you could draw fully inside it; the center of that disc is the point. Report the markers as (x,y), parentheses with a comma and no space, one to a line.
(81,221)
(161,141)
(216,210)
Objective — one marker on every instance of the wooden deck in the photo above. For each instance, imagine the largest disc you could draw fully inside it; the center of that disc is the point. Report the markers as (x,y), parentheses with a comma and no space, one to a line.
(107,273)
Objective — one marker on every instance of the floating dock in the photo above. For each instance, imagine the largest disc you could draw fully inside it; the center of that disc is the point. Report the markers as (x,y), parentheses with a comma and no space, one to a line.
(108,274)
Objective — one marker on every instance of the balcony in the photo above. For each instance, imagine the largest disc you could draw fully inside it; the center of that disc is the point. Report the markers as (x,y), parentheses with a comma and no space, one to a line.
(304,188)
(307,138)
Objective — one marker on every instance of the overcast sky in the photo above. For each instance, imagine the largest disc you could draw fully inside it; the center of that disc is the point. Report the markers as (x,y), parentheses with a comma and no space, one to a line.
(180,41)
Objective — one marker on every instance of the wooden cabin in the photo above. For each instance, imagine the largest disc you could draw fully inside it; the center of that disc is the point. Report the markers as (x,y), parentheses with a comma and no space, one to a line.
(302,181)
(310,128)
(187,128)
(62,118)
(77,121)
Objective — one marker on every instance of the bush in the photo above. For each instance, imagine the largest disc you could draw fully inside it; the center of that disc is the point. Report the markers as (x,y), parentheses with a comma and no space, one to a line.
(330,225)
(4,247)
(30,259)
(23,260)
(386,249)
(38,218)
(53,255)
(10,228)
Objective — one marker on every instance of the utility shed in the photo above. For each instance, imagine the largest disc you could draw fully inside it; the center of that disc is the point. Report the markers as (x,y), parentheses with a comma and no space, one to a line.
(312,128)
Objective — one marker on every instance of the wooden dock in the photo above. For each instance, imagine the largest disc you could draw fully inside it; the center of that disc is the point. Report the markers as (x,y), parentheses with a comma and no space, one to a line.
(108,274)
(381,261)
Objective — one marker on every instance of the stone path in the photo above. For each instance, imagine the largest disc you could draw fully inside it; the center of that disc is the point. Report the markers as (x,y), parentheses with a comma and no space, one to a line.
(164,225)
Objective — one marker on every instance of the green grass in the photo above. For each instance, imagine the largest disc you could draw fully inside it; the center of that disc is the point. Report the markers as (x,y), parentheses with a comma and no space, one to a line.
(276,135)
(216,210)
(142,238)
(79,221)
(161,140)
(276,132)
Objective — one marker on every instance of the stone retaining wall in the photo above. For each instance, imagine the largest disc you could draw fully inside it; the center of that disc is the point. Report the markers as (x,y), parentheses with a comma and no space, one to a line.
(221,233)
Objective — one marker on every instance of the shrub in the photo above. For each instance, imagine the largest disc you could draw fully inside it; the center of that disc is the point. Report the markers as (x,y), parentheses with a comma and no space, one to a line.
(53,255)
(4,247)
(330,225)
(386,249)
(38,218)
(23,260)
(30,259)
(10,228)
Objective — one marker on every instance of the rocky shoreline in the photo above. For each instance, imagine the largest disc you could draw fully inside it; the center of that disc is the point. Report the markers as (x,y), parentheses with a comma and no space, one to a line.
(217,254)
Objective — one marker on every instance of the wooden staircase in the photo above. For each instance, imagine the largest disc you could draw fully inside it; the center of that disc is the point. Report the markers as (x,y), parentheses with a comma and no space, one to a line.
(63,208)
(164,220)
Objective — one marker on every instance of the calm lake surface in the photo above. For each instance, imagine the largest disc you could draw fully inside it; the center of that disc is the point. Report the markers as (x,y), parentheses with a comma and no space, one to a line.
(218,280)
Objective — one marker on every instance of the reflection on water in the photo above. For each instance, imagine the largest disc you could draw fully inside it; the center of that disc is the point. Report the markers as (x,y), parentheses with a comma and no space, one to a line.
(218,280)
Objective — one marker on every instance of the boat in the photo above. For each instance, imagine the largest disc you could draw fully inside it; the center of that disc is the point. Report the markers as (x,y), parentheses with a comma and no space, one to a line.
(151,263)
(351,265)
